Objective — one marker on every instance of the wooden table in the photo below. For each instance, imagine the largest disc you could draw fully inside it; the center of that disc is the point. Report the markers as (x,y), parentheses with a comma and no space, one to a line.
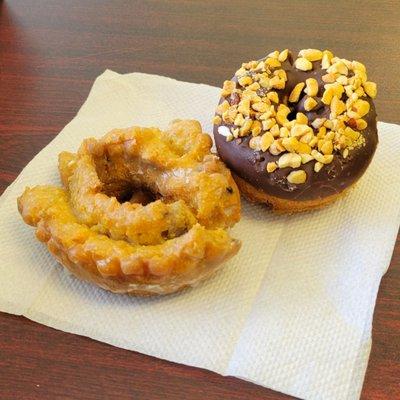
(50,53)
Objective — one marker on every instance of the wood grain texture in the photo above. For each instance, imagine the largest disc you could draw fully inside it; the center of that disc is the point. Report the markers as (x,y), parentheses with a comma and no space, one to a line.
(50,53)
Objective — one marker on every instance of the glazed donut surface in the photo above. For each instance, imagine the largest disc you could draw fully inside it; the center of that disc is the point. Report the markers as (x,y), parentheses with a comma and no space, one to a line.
(142,212)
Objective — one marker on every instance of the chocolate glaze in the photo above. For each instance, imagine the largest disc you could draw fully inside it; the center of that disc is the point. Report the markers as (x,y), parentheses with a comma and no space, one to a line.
(333,178)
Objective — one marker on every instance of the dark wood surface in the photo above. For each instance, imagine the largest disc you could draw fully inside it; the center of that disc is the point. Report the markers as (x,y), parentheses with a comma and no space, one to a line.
(50,53)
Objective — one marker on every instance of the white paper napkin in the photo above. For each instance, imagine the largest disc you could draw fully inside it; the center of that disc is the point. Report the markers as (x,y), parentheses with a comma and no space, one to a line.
(292,311)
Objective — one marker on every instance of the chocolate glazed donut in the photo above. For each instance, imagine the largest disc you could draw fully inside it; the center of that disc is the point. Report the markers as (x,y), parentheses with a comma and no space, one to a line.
(250,164)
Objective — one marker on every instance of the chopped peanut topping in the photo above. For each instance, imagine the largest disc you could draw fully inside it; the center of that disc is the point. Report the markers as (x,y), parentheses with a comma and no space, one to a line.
(303,64)
(310,103)
(256,104)
(311,87)
(297,177)
(370,89)
(271,167)
(311,54)
(295,94)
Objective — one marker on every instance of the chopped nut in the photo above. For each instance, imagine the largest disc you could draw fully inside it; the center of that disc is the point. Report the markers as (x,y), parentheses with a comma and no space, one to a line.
(276,148)
(361,124)
(245,129)
(313,141)
(264,82)
(275,130)
(337,107)
(273,96)
(230,115)
(297,177)
(300,130)
(228,88)
(268,124)
(310,103)
(256,128)
(361,75)
(352,123)
(349,90)
(305,158)
(271,167)
(325,63)
(244,106)
(250,65)
(306,138)
(284,132)
(274,54)
(290,144)
(217,120)
(338,68)
(295,94)
(290,124)
(245,80)
(283,55)
(352,134)
(370,89)
(266,140)
(330,135)
(303,148)
(318,166)
(260,66)
(311,54)
(239,120)
(329,78)
(361,107)
(321,132)
(327,147)
(337,88)
(272,62)
(352,114)
(324,159)
(292,160)
(224,130)
(360,92)
(327,96)
(224,106)
(241,71)
(303,64)
(254,86)
(281,73)
(260,107)
(301,118)
(318,122)
(282,113)
(357,66)
(255,143)
(311,87)
(277,83)
(342,79)
(248,94)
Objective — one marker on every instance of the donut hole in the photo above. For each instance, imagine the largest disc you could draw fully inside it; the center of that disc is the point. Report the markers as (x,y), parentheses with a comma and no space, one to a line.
(128,192)
(117,181)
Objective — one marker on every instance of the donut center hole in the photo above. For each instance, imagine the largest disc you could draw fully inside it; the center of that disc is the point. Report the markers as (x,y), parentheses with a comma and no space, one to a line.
(119,182)
(125,191)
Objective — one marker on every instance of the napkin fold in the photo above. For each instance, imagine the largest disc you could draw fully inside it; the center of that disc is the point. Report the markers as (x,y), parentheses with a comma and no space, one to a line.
(292,311)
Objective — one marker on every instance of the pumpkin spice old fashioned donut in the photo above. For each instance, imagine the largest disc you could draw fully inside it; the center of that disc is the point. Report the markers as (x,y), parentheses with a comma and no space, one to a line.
(142,211)
(297,132)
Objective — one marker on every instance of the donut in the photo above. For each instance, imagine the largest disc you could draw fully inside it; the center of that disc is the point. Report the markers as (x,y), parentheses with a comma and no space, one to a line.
(142,211)
(297,133)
